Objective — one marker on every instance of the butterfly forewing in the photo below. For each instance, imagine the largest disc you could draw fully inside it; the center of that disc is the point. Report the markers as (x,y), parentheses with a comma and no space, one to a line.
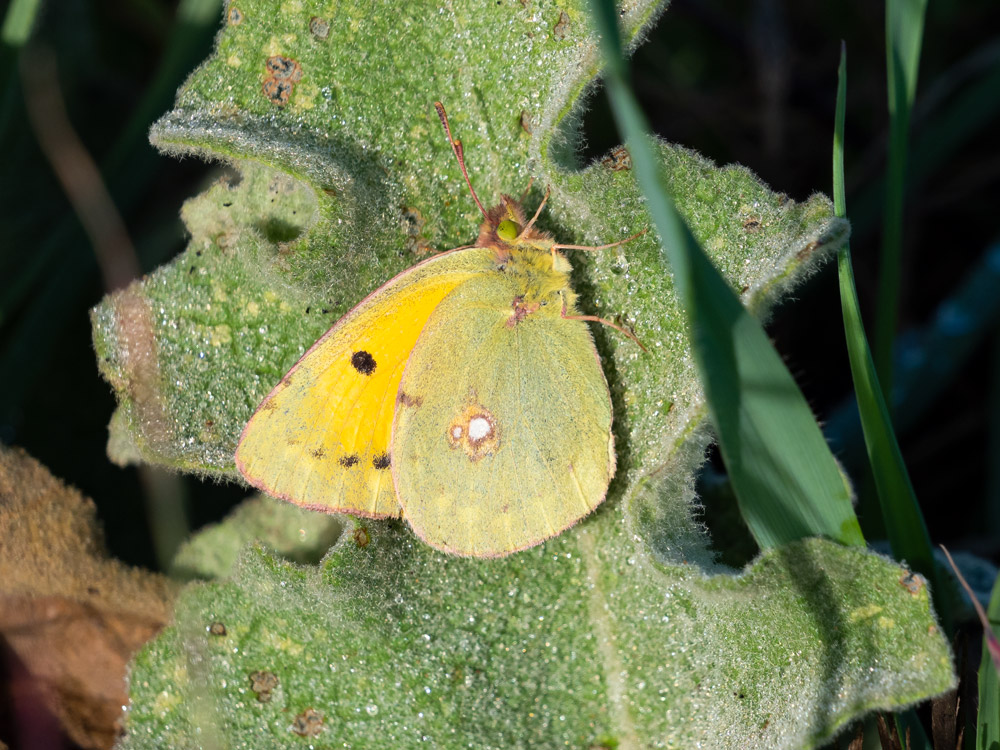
(321,438)
(504,439)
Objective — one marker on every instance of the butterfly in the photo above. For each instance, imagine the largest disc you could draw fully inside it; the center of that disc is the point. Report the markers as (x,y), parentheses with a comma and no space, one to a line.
(464,395)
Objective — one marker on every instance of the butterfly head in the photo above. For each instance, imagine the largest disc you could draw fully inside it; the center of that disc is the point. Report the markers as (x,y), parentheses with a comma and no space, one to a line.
(506,231)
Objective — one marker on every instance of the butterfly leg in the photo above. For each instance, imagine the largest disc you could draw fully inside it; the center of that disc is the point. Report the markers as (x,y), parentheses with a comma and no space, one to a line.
(595,319)
(599,247)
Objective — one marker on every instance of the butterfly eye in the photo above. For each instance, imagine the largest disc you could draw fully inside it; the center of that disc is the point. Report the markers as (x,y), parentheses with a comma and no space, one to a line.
(507,230)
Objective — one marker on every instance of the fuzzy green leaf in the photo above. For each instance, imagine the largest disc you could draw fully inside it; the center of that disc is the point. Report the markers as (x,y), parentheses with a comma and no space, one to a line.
(345,178)
(585,642)
(298,535)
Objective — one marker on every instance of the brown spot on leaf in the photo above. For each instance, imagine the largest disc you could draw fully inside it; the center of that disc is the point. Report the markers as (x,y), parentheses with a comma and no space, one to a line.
(618,160)
(361,537)
(526,124)
(807,250)
(140,375)
(912,582)
(279,92)
(752,224)
(217,628)
(282,74)
(319,27)
(225,241)
(309,723)
(263,683)
(562,26)
(283,68)
(235,16)
(412,222)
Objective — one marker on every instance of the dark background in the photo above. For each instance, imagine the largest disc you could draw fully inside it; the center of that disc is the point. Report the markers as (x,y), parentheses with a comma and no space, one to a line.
(750,82)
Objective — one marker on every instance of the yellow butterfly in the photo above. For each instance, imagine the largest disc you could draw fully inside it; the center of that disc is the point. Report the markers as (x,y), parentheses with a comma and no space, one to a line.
(465,395)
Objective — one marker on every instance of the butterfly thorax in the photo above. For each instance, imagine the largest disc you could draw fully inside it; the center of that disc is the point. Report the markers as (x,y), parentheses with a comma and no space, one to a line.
(539,276)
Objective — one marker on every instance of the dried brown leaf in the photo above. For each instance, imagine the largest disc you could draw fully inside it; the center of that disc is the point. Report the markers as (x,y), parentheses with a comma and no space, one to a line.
(858,741)
(72,616)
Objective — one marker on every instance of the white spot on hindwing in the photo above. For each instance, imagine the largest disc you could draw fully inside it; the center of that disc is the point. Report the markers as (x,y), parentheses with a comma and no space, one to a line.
(475,431)
(479,427)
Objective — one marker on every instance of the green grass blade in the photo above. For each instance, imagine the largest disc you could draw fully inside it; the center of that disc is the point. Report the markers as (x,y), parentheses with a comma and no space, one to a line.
(904,28)
(934,356)
(839,191)
(18,22)
(785,478)
(904,522)
(942,133)
(883,450)
(988,719)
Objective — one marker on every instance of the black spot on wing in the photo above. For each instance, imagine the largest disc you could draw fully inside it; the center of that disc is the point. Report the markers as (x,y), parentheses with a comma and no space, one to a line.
(349,460)
(381,461)
(363,362)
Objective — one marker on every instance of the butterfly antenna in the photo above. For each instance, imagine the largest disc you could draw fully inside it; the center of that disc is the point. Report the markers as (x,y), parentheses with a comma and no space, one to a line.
(534,218)
(456,146)
(527,190)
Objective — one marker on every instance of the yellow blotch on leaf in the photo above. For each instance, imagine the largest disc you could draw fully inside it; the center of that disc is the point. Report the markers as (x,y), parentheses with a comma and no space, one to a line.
(221,334)
(305,96)
(864,613)
(166,701)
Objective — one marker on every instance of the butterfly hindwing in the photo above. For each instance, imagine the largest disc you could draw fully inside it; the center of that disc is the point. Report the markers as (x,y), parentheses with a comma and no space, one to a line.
(517,445)
(321,438)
